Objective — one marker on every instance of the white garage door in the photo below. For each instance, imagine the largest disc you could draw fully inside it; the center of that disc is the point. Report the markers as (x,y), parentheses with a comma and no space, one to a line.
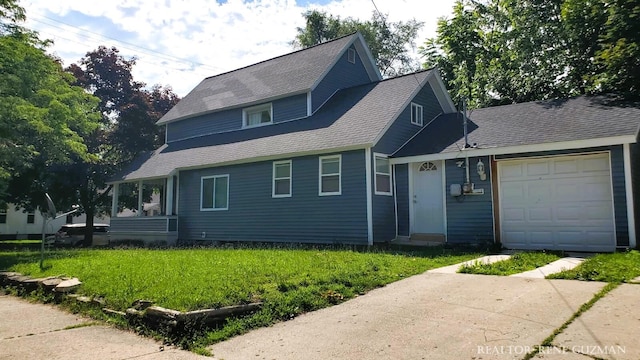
(559,203)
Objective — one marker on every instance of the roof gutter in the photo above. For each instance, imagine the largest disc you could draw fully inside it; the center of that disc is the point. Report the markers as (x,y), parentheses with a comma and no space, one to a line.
(515,149)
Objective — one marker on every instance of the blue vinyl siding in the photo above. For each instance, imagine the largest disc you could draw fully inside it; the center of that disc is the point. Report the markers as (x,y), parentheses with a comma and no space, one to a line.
(619,196)
(617,181)
(290,108)
(383,211)
(226,120)
(402,129)
(254,215)
(402,194)
(343,75)
(470,217)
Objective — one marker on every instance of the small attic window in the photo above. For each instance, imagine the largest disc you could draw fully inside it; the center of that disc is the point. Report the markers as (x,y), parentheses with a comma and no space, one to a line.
(257,115)
(351,56)
(416,114)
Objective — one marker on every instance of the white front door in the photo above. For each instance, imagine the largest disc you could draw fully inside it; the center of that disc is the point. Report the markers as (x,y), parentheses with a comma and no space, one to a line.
(428,203)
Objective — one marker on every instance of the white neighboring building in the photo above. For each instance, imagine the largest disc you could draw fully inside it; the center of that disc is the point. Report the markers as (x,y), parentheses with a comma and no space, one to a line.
(16,224)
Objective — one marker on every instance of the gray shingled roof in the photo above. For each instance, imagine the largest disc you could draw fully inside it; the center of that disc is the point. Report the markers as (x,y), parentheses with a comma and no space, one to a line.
(352,118)
(296,72)
(539,122)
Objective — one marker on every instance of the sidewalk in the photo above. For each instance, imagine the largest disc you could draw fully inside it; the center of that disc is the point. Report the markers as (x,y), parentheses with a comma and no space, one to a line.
(43,332)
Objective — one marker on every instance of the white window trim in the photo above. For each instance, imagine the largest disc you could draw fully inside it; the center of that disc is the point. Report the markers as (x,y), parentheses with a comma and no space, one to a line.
(321,175)
(274,179)
(376,173)
(261,107)
(202,179)
(417,122)
(351,55)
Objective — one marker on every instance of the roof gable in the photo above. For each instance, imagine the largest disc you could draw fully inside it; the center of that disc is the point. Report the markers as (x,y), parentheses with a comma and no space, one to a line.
(531,123)
(353,118)
(293,73)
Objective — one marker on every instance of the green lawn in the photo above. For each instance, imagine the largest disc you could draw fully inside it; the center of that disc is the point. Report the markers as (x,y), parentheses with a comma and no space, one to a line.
(615,267)
(517,263)
(288,281)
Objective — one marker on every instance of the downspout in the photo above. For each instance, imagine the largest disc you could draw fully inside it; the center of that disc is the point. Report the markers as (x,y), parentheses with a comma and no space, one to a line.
(367,166)
(395,197)
(466,140)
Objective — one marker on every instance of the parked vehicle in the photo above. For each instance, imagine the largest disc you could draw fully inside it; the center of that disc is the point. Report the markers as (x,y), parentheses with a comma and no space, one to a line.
(73,235)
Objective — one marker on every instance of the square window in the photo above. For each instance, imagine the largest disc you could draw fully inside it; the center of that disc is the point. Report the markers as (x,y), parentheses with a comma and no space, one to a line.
(281,179)
(416,114)
(330,174)
(383,176)
(257,115)
(214,193)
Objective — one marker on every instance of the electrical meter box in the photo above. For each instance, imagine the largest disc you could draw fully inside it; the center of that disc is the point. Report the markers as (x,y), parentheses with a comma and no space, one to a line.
(455,190)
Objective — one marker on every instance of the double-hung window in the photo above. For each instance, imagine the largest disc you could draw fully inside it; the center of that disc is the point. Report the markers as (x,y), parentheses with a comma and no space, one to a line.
(383,175)
(416,114)
(31,218)
(330,174)
(214,193)
(3,216)
(281,179)
(257,115)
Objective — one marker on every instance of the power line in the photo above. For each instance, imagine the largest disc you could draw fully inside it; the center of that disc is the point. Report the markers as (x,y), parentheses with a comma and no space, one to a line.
(128,45)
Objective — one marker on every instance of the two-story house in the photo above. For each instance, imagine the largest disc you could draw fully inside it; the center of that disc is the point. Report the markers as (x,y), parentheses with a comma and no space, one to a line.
(315,147)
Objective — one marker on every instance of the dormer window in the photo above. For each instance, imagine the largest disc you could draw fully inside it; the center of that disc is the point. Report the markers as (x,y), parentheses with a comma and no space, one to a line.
(416,114)
(351,56)
(257,115)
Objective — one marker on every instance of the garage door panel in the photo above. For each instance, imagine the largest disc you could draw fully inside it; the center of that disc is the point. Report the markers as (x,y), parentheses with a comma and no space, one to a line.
(539,192)
(539,214)
(515,191)
(514,214)
(544,238)
(560,203)
(569,166)
(512,171)
(596,164)
(568,213)
(537,169)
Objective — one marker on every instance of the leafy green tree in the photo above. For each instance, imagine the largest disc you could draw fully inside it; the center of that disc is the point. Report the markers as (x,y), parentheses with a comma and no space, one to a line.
(619,51)
(11,11)
(43,119)
(505,51)
(129,113)
(389,42)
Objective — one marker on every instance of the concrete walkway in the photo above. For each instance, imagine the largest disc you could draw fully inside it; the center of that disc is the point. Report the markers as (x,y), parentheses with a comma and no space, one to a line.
(452,269)
(43,332)
(566,263)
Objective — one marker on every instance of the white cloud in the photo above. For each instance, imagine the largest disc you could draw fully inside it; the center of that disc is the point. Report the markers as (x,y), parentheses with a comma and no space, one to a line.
(178,43)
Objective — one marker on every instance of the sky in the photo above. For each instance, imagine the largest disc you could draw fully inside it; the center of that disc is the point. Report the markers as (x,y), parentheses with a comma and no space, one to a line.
(178,43)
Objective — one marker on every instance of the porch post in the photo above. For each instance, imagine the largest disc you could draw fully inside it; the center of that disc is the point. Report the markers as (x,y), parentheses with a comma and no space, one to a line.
(140,208)
(114,199)
(169,196)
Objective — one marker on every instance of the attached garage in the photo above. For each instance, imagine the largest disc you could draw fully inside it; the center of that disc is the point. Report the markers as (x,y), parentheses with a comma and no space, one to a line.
(557,203)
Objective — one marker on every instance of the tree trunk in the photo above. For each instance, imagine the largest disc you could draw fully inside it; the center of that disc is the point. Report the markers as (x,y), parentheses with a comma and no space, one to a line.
(88,235)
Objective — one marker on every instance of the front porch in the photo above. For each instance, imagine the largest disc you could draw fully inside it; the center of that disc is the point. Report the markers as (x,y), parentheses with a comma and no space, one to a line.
(145,211)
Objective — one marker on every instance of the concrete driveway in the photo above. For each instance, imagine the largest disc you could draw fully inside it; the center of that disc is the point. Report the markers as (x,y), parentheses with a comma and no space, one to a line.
(455,316)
